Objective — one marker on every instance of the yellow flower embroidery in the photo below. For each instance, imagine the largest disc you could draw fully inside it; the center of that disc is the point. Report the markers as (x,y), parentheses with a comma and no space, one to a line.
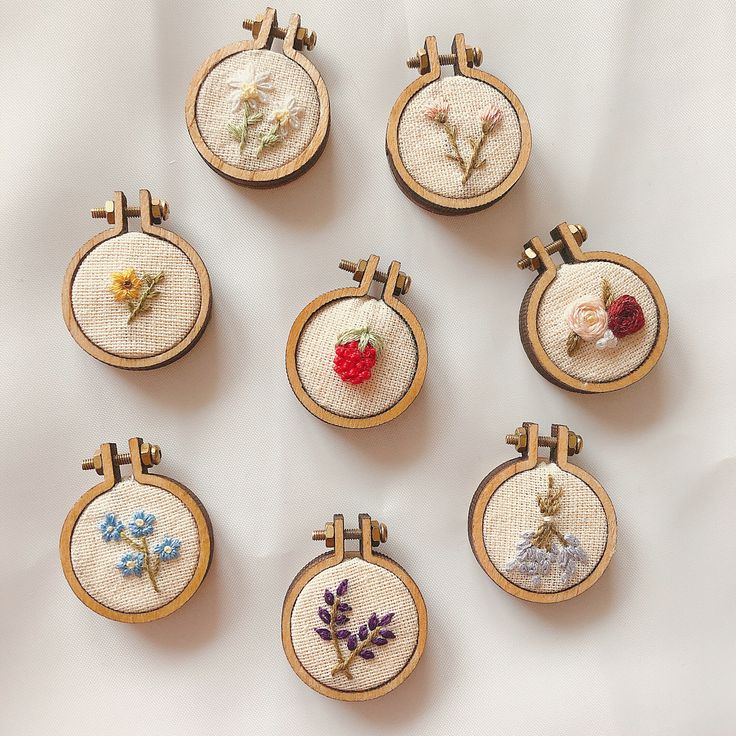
(125,285)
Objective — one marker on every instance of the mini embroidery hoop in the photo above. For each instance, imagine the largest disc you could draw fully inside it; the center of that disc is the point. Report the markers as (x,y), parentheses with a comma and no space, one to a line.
(430,63)
(370,534)
(118,217)
(537,256)
(562,443)
(107,463)
(265,29)
(395,283)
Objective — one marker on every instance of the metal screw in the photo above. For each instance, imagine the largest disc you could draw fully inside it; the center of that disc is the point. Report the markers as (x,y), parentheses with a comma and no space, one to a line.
(150,456)
(379,533)
(403,282)
(530,258)
(304,37)
(473,56)
(159,210)
(520,440)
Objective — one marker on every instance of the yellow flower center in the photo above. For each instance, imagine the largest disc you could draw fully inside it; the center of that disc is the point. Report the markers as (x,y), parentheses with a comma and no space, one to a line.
(130,564)
(110,529)
(249,91)
(139,523)
(167,549)
(591,317)
(281,117)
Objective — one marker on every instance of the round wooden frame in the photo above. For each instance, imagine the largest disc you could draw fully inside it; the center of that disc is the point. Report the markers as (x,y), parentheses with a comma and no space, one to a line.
(529,312)
(350,292)
(309,156)
(140,473)
(529,459)
(413,189)
(326,561)
(119,228)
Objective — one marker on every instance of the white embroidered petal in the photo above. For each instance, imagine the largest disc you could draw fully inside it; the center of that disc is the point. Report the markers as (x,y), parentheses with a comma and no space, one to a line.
(235,101)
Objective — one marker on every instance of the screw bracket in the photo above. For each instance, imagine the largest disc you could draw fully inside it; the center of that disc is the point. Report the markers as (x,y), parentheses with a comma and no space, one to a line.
(150,455)
(379,533)
(520,440)
(461,55)
(403,282)
(532,257)
(304,38)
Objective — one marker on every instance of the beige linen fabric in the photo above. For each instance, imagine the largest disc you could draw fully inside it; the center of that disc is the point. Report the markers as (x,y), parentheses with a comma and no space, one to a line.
(94,560)
(513,509)
(105,321)
(371,589)
(213,110)
(423,143)
(588,363)
(391,376)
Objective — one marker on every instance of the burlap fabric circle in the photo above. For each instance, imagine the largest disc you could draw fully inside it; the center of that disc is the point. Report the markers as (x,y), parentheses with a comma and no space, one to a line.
(371,589)
(95,561)
(587,363)
(392,375)
(513,510)
(105,321)
(423,145)
(213,112)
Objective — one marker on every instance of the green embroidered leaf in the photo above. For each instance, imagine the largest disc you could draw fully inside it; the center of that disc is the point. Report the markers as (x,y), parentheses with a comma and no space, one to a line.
(573,342)
(606,293)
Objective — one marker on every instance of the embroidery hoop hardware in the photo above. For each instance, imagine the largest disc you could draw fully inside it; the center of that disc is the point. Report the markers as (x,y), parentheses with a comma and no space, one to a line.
(265,29)
(142,456)
(370,534)
(152,213)
(536,256)
(395,283)
(563,443)
(464,61)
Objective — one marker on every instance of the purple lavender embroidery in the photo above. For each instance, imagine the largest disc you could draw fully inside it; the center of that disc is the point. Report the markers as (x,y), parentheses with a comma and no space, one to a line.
(358,644)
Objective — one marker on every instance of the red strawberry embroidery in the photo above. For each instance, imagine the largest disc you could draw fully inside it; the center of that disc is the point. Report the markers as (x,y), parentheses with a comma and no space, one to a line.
(356,352)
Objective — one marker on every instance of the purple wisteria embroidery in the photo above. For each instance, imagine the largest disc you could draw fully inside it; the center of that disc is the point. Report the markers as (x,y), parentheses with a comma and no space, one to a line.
(360,643)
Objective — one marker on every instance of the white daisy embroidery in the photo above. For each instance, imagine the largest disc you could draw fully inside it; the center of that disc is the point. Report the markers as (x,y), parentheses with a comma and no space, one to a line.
(249,88)
(288,116)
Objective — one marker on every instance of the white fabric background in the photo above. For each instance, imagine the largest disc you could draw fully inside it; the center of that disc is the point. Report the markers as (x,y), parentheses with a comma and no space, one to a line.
(631,106)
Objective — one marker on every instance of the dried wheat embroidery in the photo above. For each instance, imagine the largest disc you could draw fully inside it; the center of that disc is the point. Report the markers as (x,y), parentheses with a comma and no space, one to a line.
(438,111)
(360,643)
(136,292)
(250,93)
(356,353)
(142,558)
(602,320)
(538,551)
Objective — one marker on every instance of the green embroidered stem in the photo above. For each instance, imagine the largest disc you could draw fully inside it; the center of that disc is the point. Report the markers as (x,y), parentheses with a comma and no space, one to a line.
(335,640)
(476,147)
(142,546)
(240,132)
(451,133)
(266,140)
(364,336)
(345,666)
(149,292)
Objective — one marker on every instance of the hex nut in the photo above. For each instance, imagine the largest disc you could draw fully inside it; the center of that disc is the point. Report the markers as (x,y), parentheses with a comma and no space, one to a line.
(110,212)
(360,270)
(403,282)
(532,256)
(159,209)
(574,443)
(379,533)
(150,455)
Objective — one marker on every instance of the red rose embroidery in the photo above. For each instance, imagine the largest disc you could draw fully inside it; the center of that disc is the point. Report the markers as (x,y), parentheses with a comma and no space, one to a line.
(625,316)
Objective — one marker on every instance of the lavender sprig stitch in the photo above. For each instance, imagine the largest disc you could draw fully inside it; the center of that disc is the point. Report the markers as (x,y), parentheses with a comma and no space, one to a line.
(360,643)
(142,558)
(538,551)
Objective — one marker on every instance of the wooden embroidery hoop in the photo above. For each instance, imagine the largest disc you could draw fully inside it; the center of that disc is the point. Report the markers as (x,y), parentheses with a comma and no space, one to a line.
(107,463)
(395,283)
(537,256)
(429,63)
(118,215)
(370,534)
(265,28)
(562,443)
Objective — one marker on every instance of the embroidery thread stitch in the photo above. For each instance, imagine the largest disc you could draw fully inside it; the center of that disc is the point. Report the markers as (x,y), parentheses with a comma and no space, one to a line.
(249,90)
(538,551)
(140,527)
(437,110)
(602,320)
(136,292)
(370,634)
(356,352)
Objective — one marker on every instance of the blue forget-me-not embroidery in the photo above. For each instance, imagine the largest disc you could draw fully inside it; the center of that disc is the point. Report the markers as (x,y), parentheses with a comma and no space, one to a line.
(371,634)
(142,558)
(537,552)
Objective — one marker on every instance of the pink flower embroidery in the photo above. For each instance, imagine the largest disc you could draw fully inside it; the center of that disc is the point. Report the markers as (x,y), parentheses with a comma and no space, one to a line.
(587,318)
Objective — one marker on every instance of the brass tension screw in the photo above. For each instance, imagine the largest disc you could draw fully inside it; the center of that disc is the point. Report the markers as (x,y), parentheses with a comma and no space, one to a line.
(304,37)
(473,57)
(159,211)
(531,260)
(520,440)
(150,456)
(403,282)
(379,534)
